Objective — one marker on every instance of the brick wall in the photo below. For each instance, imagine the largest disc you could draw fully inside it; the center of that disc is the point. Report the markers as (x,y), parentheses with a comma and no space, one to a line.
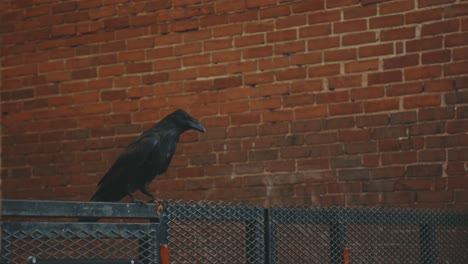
(346,102)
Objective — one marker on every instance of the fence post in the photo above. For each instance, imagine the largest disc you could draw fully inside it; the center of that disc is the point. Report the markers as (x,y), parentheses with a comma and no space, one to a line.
(428,244)
(337,239)
(270,237)
(254,240)
(163,243)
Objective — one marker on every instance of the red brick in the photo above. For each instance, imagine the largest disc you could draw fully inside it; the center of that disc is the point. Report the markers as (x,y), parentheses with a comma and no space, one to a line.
(362,66)
(113,70)
(426,3)
(376,50)
(283,35)
(344,81)
(301,7)
(249,40)
(243,119)
(310,112)
(349,26)
(456,68)
(422,101)
(64,7)
(259,27)
(340,3)
(359,12)
(64,30)
(258,52)
(227,31)
(266,103)
(312,164)
(84,74)
(225,56)
(260,3)
(51,66)
(456,10)
(385,77)
(257,78)
(439,56)
(401,61)
(425,72)
(398,33)
(340,55)
(326,70)
(279,115)
(290,74)
(396,6)
(428,114)
(458,54)
(353,174)
(404,89)
(435,196)
(315,31)
(370,2)
(359,38)
(403,117)
(457,126)
(323,43)
(386,21)
(414,184)
(289,47)
(273,12)
(423,15)
(275,63)
(399,158)
(382,105)
(345,108)
(291,21)
(438,28)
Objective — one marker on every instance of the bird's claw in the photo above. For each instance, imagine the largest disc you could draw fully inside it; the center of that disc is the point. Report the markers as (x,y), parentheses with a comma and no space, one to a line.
(139,202)
(160,205)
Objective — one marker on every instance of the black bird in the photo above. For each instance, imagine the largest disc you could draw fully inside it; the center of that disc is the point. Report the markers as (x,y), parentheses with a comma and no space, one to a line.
(144,159)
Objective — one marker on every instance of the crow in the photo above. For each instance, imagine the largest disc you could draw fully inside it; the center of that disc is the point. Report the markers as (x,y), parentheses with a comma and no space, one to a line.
(144,159)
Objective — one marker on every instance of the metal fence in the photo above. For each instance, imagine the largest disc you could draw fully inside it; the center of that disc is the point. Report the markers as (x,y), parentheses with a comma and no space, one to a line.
(208,232)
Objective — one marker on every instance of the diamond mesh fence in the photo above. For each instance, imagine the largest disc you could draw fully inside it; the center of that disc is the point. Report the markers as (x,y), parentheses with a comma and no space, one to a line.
(208,232)
(65,241)
(350,235)
(211,232)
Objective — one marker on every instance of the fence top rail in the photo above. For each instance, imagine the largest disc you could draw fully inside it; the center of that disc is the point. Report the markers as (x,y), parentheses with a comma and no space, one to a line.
(379,216)
(76,209)
(204,210)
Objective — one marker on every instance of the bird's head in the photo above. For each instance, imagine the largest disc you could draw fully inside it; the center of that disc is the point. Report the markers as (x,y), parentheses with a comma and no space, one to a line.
(186,121)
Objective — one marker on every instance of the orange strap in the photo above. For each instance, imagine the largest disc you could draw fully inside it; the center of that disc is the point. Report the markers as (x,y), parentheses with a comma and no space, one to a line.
(164,253)
(345,255)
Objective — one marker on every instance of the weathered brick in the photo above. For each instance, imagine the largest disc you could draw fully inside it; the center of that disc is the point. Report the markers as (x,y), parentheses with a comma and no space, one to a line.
(431,170)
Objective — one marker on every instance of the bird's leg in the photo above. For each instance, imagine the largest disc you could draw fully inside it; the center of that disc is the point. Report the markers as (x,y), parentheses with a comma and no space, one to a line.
(159,204)
(134,199)
(145,191)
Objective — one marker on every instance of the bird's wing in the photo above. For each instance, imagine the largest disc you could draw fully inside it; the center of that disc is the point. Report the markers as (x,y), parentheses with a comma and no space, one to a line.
(113,185)
(133,157)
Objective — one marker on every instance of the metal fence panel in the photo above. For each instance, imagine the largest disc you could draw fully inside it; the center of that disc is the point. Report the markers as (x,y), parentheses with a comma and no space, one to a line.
(204,232)
(211,232)
(323,235)
(62,241)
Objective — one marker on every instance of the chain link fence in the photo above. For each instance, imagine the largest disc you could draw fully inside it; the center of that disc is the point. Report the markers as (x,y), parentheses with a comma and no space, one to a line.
(209,232)
(30,242)
(370,235)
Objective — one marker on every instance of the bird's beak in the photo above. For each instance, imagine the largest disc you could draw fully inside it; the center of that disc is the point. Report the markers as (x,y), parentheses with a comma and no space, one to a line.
(194,124)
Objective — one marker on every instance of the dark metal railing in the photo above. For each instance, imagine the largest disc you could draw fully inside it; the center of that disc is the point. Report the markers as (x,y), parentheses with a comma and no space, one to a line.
(209,232)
